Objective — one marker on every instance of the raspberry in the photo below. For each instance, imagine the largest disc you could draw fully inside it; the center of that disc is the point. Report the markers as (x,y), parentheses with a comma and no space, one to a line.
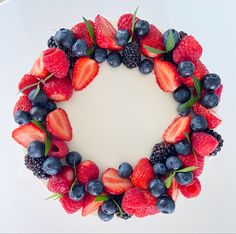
(69,205)
(192,190)
(125,22)
(25,81)
(58,149)
(22,104)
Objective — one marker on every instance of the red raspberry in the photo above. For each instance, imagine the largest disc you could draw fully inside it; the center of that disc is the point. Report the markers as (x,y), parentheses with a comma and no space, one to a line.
(69,205)
(22,104)
(125,22)
(25,81)
(192,190)
(58,149)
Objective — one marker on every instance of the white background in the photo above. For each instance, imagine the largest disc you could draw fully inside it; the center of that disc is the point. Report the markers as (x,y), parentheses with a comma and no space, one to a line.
(25,27)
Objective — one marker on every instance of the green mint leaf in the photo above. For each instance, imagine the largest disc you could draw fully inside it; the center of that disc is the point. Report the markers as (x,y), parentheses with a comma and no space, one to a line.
(119,208)
(189,103)
(47,144)
(168,181)
(46,79)
(194,153)
(187,169)
(101,198)
(187,136)
(90,50)
(153,50)
(36,91)
(54,196)
(72,186)
(90,29)
(133,23)
(38,124)
(170,44)
(197,85)
(27,87)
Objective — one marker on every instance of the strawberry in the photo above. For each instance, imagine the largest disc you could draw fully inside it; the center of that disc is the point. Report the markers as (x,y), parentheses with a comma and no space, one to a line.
(218,91)
(38,69)
(25,134)
(173,191)
(125,22)
(22,104)
(58,149)
(69,205)
(56,62)
(200,71)
(25,81)
(86,171)
(81,32)
(212,119)
(192,190)
(105,34)
(58,89)
(204,144)
(61,182)
(188,49)
(154,40)
(142,174)
(189,161)
(175,132)
(89,205)
(58,124)
(167,75)
(84,71)
(113,183)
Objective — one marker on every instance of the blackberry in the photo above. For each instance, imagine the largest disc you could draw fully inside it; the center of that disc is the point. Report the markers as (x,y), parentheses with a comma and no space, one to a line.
(131,55)
(169,57)
(182,34)
(218,137)
(161,152)
(118,200)
(51,42)
(35,165)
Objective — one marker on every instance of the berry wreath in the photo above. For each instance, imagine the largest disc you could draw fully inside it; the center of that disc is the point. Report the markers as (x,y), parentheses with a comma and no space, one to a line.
(175,164)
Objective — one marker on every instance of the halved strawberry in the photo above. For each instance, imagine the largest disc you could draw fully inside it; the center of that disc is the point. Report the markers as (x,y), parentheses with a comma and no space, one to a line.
(38,69)
(58,124)
(105,34)
(25,134)
(173,191)
(89,205)
(113,183)
(175,132)
(84,71)
(167,75)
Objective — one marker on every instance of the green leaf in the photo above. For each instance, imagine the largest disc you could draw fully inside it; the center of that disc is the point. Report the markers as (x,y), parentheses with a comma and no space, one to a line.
(90,50)
(73,184)
(54,196)
(187,136)
(27,87)
(187,169)
(133,23)
(36,91)
(47,144)
(170,44)
(119,208)
(38,124)
(46,79)
(168,181)
(101,198)
(153,50)
(90,29)
(197,85)
(189,103)
(194,153)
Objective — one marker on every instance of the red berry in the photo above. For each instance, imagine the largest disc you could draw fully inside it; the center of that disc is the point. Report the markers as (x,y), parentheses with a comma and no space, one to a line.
(38,69)
(89,205)
(218,91)
(25,81)
(192,190)
(22,104)
(69,205)
(173,191)
(125,22)
(58,149)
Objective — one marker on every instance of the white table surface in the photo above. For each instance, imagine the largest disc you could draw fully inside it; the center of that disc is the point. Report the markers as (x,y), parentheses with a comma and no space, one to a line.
(25,26)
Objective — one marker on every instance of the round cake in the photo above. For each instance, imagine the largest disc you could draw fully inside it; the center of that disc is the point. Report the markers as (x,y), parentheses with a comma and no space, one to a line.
(119,120)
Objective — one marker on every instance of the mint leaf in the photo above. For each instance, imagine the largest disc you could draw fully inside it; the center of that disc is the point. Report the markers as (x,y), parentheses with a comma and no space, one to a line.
(133,22)
(187,169)
(90,50)
(197,85)
(38,124)
(154,50)
(90,29)
(47,144)
(168,181)
(101,198)
(36,91)
(54,196)
(170,44)
(194,153)
(189,103)
(187,136)
(27,87)
(119,208)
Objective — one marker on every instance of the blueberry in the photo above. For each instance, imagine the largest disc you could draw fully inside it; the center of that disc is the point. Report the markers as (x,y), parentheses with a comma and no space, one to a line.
(184,178)
(145,66)
(160,169)
(173,163)
(109,207)
(166,204)
(50,106)
(79,48)
(141,28)
(52,166)
(114,59)
(95,187)
(122,37)
(38,113)
(22,117)
(182,94)
(39,100)
(64,38)
(77,192)
(36,149)
(210,100)
(157,187)
(211,81)
(100,55)
(175,35)
(186,111)
(73,158)
(198,123)
(103,216)
(186,68)
(125,170)
(182,147)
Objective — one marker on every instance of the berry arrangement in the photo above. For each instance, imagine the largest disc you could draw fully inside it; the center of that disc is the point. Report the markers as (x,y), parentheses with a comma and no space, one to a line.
(69,64)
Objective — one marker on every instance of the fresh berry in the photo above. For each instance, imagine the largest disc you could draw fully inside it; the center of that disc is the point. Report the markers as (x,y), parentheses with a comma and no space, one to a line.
(25,134)
(186,68)
(113,183)
(141,28)
(182,94)
(211,81)
(38,69)
(100,55)
(58,124)
(173,163)
(203,143)
(210,100)
(89,205)
(157,187)
(109,207)
(37,98)
(188,49)
(105,34)
(51,42)
(142,174)
(23,104)
(38,113)
(114,59)
(58,148)
(145,66)
(81,32)
(160,169)
(84,71)
(175,131)
(77,192)
(168,57)
(184,178)
(58,90)
(182,147)
(122,37)
(86,171)
(125,22)
(218,91)
(175,36)
(52,166)
(104,216)
(36,149)
(61,183)
(182,35)
(64,38)
(166,204)
(191,190)
(22,117)
(25,81)
(79,48)
(218,137)
(69,205)
(125,170)
(120,213)
(198,123)
(154,40)
(173,191)
(73,158)
(184,112)
(95,187)
(131,56)
(167,75)
(50,106)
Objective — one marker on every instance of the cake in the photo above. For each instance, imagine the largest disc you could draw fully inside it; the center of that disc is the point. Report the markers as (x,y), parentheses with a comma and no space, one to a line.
(120,164)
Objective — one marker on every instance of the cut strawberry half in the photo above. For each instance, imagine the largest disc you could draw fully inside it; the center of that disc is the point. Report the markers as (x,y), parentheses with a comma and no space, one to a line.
(39,69)
(175,132)
(167,75)
(173,191)
(89,205)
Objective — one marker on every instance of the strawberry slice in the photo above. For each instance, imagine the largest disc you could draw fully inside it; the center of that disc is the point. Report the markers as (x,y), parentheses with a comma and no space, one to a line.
(173,191)
(58,124)
(175,132)
(105,34)
(167,75)
(89,205)
(39,69)
(113,183)
(84,71)
(25,134)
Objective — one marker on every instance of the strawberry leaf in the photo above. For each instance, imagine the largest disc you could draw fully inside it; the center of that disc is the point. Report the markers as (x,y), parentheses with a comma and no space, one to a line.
(170,44)
(90,29)
(153,50)
(187,169)
(101,198)
(54,196)
(168,181)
